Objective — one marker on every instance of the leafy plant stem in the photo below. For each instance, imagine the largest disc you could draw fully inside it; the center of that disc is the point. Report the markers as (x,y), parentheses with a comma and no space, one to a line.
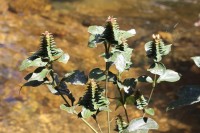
(153,88)
(62,97)
(88,124)
(106,94)
(56,86)
(126,113)
(107,47)
(122,100)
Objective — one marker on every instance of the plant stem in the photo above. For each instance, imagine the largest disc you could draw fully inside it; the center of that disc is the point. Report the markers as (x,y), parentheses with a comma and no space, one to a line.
(56,88)
(122,99)
(75,112)
(107,47)
(88,124)
(126,114)
(106,94)
(62,97)
(98,126)
(152,90)
(121,96)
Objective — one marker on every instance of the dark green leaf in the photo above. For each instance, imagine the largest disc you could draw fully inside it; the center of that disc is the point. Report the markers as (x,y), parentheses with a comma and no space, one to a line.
(188,95)
(94,40)
(130,100)
(33,83)
(99,75)
(96,36)
(62,88)
(145,78)
(76,77)
(27,77)
(128,85)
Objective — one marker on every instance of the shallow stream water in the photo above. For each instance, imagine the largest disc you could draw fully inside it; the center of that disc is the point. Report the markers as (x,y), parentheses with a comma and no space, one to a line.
(35,110)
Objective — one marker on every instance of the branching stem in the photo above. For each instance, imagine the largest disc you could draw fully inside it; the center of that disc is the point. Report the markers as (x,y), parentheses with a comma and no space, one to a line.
(66,102)
(152,90)
(122,100)
(107,47)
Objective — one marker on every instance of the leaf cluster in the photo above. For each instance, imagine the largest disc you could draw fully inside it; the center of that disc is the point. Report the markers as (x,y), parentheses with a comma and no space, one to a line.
(116,53)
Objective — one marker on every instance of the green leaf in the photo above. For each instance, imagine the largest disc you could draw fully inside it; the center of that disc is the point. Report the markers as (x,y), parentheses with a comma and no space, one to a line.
(93,100)
(130,100)
(169,76)
(39,74)
(29,63)
(96,30)
(37,71)
(120,63)
(167,49)
(36,78)
(121,57)
(157,68)
(120,124)
(145,78)
(76,78)
(48,52)
(33,83)
(122,35)
(86,113)
(94,40)
(61,87)
(188,95)
(96,36)
(128,85)
(196,60)
(70,110)
(156,49)
(149,111)
(99,75)
(64,58)
(52,89)
(140,101)
(141,125)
